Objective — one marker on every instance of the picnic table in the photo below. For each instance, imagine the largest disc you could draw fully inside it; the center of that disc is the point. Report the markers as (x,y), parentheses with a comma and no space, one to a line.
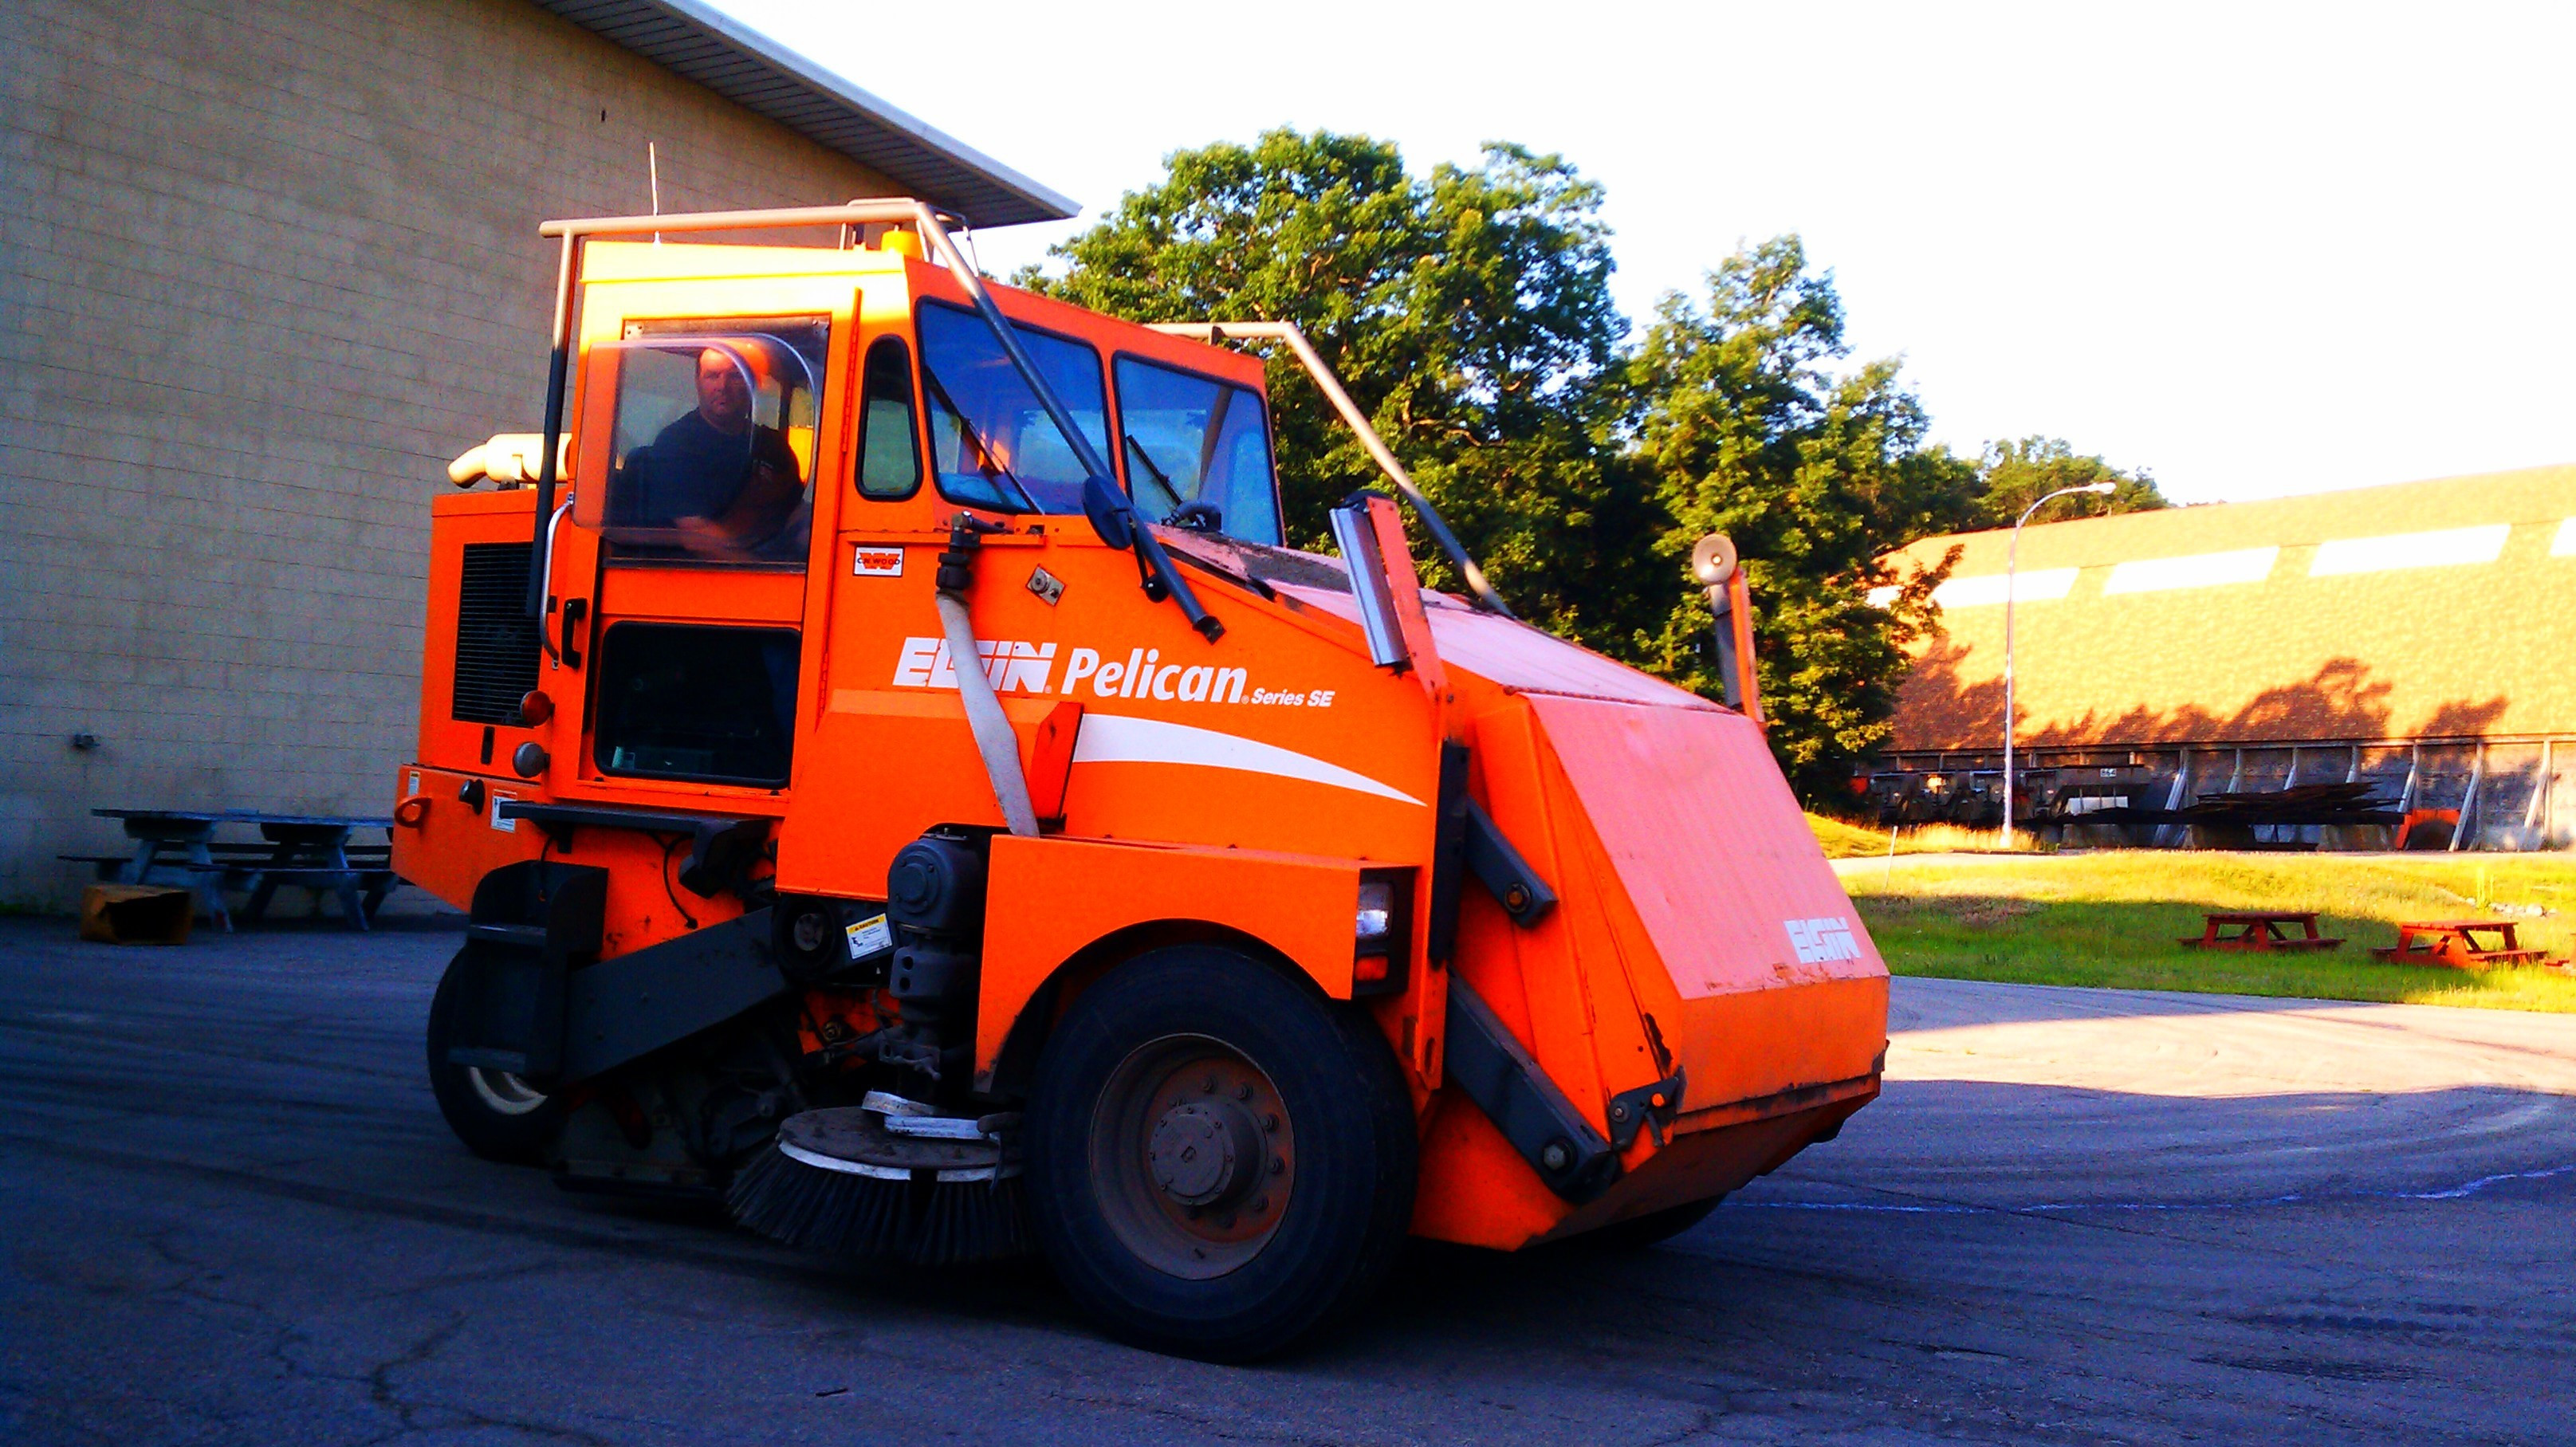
(309,851)
(2456,943)
(2262,930)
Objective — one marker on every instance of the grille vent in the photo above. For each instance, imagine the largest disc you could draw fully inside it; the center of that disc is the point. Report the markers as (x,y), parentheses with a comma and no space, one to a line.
(496,642)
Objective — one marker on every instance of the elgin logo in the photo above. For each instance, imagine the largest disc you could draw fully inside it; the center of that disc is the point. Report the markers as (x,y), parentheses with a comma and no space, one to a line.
(1819,941)
(1012,667)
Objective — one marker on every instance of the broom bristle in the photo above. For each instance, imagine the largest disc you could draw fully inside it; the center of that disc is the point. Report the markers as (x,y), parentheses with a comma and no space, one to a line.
(970,1221)
(922,1222)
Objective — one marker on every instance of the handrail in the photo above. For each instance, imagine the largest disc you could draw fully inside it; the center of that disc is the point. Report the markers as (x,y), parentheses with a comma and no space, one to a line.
(1331,386)
(574,231)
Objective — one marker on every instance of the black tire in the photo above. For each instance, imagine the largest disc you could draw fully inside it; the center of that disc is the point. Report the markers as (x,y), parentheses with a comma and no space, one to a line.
(497,1115)
(1243,1276)
(1639,1232)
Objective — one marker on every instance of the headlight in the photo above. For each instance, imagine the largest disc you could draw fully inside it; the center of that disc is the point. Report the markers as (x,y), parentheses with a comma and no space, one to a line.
(1376,914)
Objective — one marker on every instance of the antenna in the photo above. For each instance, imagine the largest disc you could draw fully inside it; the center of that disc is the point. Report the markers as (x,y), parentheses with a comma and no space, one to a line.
(653,168)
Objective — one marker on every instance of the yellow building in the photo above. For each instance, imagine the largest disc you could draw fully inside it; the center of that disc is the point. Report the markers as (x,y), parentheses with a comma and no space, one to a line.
(2413,637)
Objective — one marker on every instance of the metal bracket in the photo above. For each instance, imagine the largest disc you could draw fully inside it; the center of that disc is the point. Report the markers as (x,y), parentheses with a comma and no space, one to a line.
(1500,868)
(1468,842)
(721,849)
(621,1009)
(1486,1062)
(1652,1106)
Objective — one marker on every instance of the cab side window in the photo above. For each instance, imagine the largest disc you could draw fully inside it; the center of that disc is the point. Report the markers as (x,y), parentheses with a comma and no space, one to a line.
(713,705)
(889,437)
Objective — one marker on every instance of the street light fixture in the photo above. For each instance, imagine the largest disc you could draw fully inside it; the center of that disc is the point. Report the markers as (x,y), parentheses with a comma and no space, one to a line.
(2012,566)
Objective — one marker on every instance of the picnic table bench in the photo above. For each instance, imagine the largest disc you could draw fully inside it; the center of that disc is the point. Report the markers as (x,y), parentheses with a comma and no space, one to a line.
(2455,942)
(2262,930)
(306,851)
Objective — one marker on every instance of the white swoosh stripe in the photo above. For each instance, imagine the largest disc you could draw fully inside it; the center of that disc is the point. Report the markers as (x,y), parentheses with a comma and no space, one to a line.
(1115,739)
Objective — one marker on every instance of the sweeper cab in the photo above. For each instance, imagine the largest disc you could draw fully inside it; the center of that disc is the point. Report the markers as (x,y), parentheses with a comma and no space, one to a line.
(901,783)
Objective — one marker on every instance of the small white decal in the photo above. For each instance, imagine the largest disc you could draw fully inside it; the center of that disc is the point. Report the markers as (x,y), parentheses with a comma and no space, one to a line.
(1819,941)
(869,937)
(868,562)
(506,826)
(415,784)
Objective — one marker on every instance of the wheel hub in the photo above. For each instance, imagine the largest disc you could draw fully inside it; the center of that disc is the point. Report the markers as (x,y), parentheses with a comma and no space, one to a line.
(1195,1156)
(1198,1151)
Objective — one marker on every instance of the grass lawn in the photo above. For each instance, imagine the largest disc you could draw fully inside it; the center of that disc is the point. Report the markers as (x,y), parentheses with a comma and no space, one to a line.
(2113,919)
(1854,841)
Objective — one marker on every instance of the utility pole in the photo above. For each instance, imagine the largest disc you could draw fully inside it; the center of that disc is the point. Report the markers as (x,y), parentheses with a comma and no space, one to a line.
(2012,568)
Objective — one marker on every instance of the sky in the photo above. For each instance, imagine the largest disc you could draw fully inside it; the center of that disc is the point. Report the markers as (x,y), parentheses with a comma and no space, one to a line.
(2256,250)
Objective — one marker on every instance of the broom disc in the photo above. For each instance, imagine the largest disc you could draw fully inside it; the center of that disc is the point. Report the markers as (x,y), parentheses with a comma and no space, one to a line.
(890,1181)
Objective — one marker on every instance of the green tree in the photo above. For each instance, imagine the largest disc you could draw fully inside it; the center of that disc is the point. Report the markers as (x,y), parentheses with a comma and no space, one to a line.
(1468,313)
(2014,474)
(1748,429)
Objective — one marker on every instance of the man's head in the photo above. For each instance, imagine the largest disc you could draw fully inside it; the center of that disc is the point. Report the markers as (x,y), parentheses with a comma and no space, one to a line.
(724,392)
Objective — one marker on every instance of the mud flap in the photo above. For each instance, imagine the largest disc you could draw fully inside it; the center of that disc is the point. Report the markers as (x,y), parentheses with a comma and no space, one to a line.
(531,923)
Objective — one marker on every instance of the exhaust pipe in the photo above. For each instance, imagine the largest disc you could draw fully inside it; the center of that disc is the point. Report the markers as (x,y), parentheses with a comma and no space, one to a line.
(991,727)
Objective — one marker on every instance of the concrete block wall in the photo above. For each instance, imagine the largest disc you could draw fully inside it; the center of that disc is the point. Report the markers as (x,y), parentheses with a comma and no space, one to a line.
(265,265)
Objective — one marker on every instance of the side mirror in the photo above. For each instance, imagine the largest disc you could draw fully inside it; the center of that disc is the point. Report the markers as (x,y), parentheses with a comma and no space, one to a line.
(1107,509)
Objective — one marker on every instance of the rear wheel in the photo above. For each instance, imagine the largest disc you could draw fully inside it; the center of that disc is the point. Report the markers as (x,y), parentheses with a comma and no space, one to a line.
(496,1114)
(1221,1160)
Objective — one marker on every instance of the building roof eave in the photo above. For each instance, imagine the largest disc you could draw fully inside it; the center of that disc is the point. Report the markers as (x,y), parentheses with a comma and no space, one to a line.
(698,42)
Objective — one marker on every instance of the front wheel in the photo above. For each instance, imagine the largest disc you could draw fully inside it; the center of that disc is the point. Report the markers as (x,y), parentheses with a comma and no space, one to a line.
(1221,1160)
(496,1114)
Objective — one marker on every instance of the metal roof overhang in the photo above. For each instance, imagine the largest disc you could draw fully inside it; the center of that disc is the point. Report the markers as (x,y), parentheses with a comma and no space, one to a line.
(694,40)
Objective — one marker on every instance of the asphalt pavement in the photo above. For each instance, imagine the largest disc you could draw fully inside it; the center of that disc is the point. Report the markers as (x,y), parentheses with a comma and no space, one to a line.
(229,1213)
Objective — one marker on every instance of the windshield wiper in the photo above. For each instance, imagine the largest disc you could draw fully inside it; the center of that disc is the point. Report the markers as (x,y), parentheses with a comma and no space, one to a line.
(992,461)
(1162,479)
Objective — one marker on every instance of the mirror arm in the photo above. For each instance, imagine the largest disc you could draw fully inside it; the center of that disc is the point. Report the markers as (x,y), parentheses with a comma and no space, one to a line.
(558,375)
(1479,588)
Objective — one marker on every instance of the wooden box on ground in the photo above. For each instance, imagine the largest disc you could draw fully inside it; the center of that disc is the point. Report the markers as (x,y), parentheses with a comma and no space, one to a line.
(135,914)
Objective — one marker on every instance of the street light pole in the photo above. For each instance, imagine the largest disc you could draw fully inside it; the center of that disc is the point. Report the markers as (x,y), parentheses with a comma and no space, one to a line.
(2012,568)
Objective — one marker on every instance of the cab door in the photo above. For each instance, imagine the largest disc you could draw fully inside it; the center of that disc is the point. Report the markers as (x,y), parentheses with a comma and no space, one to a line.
(708,422)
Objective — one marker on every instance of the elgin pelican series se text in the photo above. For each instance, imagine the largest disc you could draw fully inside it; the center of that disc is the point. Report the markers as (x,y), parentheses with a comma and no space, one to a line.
(902,785)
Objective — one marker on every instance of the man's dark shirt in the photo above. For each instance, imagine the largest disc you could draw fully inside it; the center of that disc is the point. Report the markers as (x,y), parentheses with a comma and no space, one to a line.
(695,471)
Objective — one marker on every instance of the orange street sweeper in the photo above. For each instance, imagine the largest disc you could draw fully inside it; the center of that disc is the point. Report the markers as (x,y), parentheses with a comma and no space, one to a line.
(901,783)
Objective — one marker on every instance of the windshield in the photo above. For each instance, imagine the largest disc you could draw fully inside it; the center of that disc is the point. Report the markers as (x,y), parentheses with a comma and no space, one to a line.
(992,444)
(1193,439)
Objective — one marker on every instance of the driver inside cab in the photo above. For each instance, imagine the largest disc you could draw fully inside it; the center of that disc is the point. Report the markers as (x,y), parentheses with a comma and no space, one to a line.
(729,485)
